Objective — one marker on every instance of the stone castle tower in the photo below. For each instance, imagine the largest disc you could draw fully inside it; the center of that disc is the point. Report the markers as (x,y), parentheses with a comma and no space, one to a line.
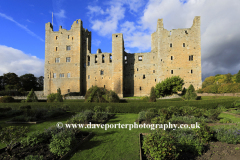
(70,65)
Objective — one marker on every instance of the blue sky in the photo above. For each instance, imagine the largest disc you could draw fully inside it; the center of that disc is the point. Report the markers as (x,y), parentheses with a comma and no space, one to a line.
(22,28)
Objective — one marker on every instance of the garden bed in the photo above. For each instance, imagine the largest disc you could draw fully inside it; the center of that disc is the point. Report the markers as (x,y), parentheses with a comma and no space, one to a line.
(43,149)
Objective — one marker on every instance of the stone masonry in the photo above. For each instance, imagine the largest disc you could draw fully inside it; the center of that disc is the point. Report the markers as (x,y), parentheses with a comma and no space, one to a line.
(70,65)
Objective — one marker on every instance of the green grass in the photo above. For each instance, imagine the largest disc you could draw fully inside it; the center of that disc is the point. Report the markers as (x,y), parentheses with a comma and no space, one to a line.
(112,144)
(232,117)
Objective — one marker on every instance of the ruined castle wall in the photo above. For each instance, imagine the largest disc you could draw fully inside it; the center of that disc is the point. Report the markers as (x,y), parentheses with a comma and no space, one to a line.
(93,74)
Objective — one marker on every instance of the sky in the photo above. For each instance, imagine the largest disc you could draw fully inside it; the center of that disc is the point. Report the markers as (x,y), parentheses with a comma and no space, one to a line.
(22,28)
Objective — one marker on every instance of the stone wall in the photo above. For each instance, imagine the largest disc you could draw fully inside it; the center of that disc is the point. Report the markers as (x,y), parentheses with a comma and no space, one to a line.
(223,94)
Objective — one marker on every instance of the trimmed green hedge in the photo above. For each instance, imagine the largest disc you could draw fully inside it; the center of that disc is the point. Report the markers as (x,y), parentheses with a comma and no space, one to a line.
(131,107)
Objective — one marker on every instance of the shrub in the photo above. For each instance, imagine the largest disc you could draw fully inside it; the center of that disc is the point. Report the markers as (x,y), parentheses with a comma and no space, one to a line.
(6,99)
(25,107)
(34,138)
(62,142)
(149,116)
(213,113)
(88,114)
(225,120)
(152,95)
(165,113)
(158,120)
(108,109)
(79,118)
(154,110)
(230,136)
(97,116)
(21,118)
(211,89)
(160,146)
(97,109)
(11,135)
(99,94)
(58,96)
(51,97)
(66,107)
(32,157)
(6,109)
(31,97)
(144,99)
(204,133)
(190,94)
(229,88)
(141,116)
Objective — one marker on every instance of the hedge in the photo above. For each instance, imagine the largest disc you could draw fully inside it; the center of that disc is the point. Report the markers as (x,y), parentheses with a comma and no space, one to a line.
(133,107)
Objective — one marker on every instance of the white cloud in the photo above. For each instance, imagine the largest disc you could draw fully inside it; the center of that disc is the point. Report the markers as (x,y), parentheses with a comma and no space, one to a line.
(60,14)
(21,26)
(16,61)
(96,42)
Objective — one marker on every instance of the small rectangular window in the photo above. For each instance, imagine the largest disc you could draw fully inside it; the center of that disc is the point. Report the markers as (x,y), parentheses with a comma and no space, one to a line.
(153,71)
(61,75)
(191,71)
(186,32)
(56,48)
(191,58)
(68,75)
(56,37)
(68,90)
(155,80)
(101,72)
(95,58)
(144,76)
(170,44)
(68,36)
(103,59)
(68,59)
(88,63)
(171,71)
(171,57)
(68,48)
(110,58)
(139,58)
(57,60)
(88,76)
(140,88)
(104,86)
(183,45)
(54,75)
(137,69)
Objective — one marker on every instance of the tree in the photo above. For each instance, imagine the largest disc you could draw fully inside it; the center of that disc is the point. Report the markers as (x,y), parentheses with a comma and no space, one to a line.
(40,82)
(1,83)
(31,97)
(238,77)
(169,86)
(152,95)
(11,79)
(59,96)
(11,135)
(208,81)
(28,82)
(190,94)
(228,78)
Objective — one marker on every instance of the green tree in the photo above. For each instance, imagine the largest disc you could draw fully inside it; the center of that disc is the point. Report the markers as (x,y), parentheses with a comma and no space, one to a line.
(228,78)
(238,77)
(190,94)
(152,95)
(59,96)
(208,81)
(40,81)
(11,79)
(1,83)
(11,135)
(169,86)
(31,97)
(28,81)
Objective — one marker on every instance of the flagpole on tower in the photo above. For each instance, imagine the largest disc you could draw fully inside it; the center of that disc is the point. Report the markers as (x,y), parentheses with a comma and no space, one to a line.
(52,18)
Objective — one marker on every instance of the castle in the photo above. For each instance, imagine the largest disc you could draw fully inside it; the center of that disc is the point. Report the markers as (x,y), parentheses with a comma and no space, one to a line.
(70,65)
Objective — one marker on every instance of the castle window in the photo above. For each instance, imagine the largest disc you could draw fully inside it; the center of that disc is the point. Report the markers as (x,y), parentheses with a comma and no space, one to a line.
(171,71)
(54,75)
(170,44)
(161,59)
(110,58)
(116,35)
(140,88)
(61,75)
(104,86)
(137,69)
(171,57)
(88,76)
(68,36)
(84,65)
(68,90)
(139,58)
(153,71)
(101,72)
(186,32)
(72,38)
(155,80)
(88,60)
(57,60)
(191,71)
(144,76)
(125,58)
(56,48)
(56,37)
(95,58)
(68,75)
(183,45)
(68,59)
(102,58)
(191,58)
(68,48)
